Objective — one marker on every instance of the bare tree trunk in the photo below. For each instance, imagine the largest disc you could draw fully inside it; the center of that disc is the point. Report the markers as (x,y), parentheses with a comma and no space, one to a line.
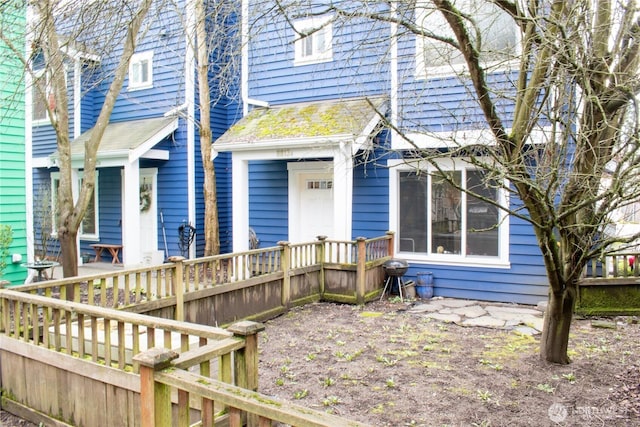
(211,227)
(557,324)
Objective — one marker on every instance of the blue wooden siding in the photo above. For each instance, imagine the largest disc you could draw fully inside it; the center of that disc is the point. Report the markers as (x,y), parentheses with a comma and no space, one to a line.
(172,190)
(43,136)
(268,202)
(223,184)
(165,38)
(370,198)
(274,78)
(444,102)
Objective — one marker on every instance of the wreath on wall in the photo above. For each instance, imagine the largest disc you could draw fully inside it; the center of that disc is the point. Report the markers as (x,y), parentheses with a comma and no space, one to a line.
(145,198)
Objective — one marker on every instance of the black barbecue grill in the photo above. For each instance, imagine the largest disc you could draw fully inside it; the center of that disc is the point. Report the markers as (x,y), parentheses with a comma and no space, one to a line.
(395,269)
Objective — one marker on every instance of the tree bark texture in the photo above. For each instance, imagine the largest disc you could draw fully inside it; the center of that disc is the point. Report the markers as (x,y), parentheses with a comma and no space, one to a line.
(557,324)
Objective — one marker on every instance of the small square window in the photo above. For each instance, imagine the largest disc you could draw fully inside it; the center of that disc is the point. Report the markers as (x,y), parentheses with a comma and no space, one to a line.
(314,41)
(141,71)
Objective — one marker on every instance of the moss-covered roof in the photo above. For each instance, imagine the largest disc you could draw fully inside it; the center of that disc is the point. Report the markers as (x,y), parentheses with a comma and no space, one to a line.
(123,137)
(321,119)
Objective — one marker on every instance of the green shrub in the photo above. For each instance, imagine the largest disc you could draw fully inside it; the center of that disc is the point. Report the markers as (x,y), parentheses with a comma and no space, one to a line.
(6,237)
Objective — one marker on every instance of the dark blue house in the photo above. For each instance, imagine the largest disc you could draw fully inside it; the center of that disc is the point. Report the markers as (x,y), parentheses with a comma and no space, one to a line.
(149,168)
(328,136)
(337,113)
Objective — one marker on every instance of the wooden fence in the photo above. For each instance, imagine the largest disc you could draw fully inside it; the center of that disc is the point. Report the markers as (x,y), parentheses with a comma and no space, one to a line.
(160,375)
(81,334)
(218,290)
(610,286)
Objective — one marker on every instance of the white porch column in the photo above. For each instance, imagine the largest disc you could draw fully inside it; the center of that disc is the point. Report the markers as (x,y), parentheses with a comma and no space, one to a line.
(240,197)
(342,191)
(131,214)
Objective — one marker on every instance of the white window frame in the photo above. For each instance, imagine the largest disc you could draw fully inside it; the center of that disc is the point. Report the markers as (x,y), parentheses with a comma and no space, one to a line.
(35,97)
(136,60)
(55,177)
(319,28)
(425,71)
(501,261)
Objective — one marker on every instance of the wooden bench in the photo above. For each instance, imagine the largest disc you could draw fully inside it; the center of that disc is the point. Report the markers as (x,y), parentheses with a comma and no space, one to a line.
(114,250)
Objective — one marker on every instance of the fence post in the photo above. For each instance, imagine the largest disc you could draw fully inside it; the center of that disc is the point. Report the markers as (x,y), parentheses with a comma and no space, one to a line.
(285,263)
(246,360)
(155,399)
(392,242)
(177,280)
(361,273)
(320,246)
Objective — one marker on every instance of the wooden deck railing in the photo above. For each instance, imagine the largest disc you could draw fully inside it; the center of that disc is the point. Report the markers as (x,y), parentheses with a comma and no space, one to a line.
(104,335)
(111,289)
(181,276)
(614,266)
(159,375)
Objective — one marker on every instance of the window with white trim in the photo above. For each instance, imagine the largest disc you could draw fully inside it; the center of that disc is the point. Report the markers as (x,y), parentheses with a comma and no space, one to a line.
(314,39)
(89,226)
(497,31)
(141,70)
(438,221)
(41,93)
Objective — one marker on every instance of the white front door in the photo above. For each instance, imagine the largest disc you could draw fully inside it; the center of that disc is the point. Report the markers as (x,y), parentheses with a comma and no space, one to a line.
(311,208)
(148,216)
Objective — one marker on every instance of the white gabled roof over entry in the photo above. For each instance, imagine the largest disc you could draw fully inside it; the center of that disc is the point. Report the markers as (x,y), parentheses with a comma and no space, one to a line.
(127,141)
(307,124)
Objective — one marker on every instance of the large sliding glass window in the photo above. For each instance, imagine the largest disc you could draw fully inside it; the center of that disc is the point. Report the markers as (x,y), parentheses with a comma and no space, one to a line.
(437,218)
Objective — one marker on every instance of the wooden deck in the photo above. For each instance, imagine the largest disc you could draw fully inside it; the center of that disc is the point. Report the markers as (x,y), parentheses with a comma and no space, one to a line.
(87,347)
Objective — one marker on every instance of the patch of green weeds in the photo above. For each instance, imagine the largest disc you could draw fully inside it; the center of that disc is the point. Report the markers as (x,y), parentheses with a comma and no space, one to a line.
(547,388)
(386,361)
(331,401)
(328,381)
(484,395)
(301,394)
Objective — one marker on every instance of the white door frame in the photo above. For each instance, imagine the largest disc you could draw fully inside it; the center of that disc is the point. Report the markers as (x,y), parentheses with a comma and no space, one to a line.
(152,174)
(295,169)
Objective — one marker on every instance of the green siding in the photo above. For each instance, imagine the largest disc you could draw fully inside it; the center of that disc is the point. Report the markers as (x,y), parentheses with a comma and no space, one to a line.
(12,141)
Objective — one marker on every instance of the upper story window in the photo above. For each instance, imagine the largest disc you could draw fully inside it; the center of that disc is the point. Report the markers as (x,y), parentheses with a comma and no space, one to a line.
(41,91)
(141,70)
(314,41)
(438,222)
(496,30)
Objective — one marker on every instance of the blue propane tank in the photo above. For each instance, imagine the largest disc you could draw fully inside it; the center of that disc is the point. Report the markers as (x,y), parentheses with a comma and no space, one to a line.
(424,284)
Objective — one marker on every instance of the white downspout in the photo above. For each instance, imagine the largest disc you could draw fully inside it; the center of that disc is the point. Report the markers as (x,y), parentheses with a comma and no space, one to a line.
(28,147)
(393,70)
(77,128)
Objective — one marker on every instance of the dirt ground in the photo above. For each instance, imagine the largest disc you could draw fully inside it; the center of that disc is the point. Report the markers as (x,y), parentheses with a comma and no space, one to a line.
(386,367)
